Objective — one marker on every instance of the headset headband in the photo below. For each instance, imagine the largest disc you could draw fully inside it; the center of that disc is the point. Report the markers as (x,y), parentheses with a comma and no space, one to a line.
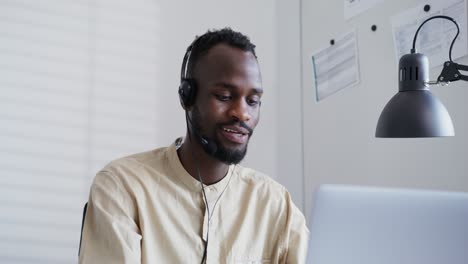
(183,70)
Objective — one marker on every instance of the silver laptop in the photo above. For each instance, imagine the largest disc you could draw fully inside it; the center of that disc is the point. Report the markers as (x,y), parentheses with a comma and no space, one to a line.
(367,225)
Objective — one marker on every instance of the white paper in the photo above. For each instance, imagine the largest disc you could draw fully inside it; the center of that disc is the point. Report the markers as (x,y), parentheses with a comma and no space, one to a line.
(336,67)
(435,36)
(355,7)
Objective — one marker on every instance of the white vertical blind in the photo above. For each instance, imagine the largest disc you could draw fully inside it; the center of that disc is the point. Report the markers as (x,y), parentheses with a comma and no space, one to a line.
(77,89)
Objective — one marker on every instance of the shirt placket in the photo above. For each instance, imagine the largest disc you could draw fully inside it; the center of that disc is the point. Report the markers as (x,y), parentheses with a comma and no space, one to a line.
(212,196)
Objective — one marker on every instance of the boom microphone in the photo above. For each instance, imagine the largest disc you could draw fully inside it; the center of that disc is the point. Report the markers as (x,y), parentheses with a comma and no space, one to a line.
(208,144)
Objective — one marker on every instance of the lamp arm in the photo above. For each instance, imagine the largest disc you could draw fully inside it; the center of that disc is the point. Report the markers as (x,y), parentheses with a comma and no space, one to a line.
(413,50)
(451,72)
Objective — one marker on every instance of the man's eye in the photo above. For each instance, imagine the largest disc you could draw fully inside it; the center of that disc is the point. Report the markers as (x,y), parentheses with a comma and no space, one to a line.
(223,97)
(254,102)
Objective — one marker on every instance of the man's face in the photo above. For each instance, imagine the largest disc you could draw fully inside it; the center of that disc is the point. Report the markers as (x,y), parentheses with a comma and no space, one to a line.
(227,104)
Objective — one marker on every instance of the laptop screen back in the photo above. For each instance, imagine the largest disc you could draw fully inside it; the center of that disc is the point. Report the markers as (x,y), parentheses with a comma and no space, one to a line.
(367,225)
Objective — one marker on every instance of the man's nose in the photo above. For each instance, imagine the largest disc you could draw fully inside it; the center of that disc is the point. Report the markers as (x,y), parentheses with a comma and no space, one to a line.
(240,111)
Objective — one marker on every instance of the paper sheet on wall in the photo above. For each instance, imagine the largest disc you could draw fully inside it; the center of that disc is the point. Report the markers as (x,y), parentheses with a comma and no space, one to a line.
(336,67)
(435,36)
(353,8)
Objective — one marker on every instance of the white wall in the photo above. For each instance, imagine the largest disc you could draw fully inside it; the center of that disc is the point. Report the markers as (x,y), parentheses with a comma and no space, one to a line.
(84,82)
(289,121)
(339,142)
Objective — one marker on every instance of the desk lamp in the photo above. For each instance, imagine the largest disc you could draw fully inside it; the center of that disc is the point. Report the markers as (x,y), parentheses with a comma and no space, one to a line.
(414,112)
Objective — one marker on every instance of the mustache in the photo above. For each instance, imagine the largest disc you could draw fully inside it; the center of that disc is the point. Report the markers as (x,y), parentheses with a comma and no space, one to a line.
(238,123)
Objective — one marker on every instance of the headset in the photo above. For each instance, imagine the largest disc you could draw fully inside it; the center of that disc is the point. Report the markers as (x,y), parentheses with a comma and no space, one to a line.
(187,92)
(188,86)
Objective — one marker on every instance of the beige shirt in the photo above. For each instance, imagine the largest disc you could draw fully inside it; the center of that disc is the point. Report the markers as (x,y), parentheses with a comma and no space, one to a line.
(146,208)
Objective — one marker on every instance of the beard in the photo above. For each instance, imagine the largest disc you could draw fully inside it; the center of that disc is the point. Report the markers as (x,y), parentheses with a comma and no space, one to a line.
(218,151)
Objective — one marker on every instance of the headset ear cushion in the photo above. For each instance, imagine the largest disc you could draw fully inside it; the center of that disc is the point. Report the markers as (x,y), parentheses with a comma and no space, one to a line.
(187,91)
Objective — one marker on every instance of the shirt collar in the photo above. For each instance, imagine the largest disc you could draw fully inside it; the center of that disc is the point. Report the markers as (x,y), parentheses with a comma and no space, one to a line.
(188,180)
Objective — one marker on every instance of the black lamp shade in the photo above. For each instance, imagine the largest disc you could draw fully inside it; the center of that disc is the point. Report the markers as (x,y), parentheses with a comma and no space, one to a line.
(412,114)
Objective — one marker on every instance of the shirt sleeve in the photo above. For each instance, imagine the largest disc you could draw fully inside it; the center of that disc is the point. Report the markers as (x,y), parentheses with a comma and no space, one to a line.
(110,231)
(297,234)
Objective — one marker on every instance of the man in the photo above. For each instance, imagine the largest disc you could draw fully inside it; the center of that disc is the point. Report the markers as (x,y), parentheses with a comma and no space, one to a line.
(151,207)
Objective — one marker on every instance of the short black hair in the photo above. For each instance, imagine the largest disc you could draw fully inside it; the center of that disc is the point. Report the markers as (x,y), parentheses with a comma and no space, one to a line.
(205,42)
